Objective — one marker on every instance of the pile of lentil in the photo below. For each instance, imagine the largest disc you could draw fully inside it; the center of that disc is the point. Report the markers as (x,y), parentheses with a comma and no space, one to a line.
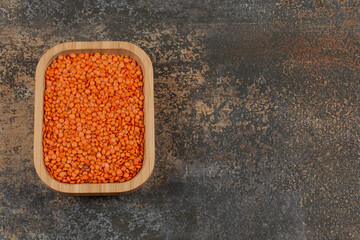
(93,118)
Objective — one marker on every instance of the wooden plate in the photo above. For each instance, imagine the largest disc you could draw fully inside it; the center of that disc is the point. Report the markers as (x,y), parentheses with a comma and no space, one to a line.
(119,48)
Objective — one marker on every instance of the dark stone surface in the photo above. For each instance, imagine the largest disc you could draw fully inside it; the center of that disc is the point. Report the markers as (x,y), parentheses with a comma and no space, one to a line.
(257,120)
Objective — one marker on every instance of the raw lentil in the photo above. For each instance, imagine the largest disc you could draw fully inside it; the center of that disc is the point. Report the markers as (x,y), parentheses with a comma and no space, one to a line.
(93,118)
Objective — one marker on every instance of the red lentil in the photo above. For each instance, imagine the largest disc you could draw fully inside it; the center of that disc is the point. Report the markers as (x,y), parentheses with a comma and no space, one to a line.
(93,118)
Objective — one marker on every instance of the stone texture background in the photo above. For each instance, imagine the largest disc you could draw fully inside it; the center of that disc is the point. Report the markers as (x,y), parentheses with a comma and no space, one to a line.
(257,120)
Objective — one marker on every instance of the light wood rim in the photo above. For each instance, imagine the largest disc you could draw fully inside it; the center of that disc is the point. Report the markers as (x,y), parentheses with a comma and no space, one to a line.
(149,152)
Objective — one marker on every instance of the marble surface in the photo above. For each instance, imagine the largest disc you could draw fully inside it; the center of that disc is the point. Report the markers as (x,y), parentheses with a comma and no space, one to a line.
(256,113)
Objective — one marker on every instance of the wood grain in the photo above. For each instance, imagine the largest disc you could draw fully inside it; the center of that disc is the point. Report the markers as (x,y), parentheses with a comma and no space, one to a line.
(120,48)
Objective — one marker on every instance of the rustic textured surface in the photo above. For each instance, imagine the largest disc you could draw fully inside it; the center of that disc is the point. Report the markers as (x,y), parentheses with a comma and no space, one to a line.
(257,120)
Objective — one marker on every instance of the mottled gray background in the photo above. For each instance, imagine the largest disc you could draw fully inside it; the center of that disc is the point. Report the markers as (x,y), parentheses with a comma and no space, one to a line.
(257,120)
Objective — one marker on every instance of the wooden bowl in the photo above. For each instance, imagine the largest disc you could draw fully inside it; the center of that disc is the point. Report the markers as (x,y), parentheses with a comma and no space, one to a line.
(119,48)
